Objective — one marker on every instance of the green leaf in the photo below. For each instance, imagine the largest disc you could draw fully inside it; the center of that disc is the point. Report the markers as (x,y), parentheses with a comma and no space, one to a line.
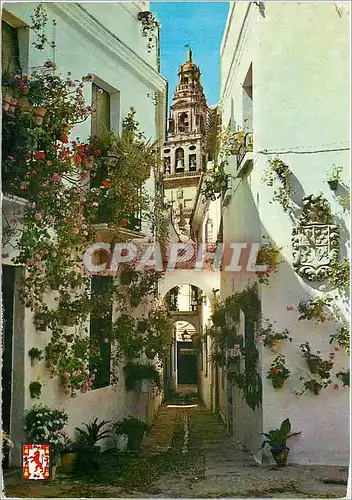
(286,427)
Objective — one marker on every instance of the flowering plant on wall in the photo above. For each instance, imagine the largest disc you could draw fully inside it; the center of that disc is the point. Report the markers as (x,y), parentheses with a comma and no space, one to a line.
(269,255)
(278,372)
(342,338)
(312,385)
(272,339)
(344,377)
(279,171)
(315,363)
(316,309)
(339,275)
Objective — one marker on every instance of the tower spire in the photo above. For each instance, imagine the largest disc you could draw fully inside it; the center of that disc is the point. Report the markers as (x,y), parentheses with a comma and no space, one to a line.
(189,52)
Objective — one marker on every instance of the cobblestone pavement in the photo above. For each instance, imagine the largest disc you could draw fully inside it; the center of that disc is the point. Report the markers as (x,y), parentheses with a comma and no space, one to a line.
(194,457)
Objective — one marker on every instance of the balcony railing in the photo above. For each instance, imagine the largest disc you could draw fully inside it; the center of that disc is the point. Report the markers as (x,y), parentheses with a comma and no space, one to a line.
(182,174)
(244,148)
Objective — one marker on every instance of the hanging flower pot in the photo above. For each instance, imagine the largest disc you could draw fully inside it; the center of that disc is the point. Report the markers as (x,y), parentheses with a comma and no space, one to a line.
(24,103)
(276,346)
(6,101)
(39,114)
(277,383)
(313,363)
(13,105)
(333,184)
(126,277)
(280,455)
(39,322)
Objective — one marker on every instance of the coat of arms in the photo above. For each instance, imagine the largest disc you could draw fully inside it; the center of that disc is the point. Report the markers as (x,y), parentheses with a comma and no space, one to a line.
(35,461)
(315,242)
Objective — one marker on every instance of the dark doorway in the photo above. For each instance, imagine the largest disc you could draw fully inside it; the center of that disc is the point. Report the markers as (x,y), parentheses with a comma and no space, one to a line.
(187,363)
(8,287)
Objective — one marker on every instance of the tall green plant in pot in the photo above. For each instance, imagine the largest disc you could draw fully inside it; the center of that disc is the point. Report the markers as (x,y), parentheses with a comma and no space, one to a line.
(134,429)
(277,439)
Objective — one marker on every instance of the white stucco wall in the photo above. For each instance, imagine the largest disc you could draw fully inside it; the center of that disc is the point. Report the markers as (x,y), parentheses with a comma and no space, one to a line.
(105,41)
(299,52)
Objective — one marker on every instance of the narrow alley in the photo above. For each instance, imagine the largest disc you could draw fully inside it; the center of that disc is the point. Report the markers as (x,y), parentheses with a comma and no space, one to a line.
(188,454)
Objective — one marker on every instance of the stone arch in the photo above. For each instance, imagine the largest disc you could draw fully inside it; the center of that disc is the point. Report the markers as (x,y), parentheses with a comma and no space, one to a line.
(205,280)
(180,160)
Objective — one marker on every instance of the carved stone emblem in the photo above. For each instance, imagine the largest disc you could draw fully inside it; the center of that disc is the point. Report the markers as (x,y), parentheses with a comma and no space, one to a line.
(315,241)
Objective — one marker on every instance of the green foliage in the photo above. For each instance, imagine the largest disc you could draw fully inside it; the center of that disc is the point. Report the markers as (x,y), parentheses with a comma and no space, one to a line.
(134,373)
(277,438)
(215,182)
(35,389)
(335,174)
(129,427)
(35,353)
(315,309)
(250,381)
(279,171)
(339,275)
(342,338)
(344,377)
(94,432)
(278,372)
(269,255)
(45,425)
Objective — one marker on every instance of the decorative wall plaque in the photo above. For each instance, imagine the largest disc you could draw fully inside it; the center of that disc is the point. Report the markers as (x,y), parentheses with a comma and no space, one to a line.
(315,241)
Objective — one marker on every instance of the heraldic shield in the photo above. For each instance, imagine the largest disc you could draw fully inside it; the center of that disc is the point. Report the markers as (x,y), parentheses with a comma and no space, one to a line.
(315,242)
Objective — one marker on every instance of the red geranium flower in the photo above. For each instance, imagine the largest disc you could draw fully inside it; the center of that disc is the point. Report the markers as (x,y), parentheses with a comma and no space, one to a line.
(106,183)
(39,155)
(123,222)
(97,151)
(28,156)
(77,159)
(64,139)
(31,172)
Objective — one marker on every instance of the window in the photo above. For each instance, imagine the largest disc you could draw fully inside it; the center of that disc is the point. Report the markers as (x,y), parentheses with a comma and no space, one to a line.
(192,163)
(179,155)
(101,117)
(10,50)
(100,336)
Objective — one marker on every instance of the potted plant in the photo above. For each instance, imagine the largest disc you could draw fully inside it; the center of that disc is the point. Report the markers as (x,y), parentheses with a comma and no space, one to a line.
(134,428)
(313,360)
(269,255)
(273,339)
(344,377)
(277,439)
(312,385)
(35,354)
(93,433)
(68,457)
(278,372)
(35,389)
(315,309)
(334,177)
(39,114)
(41,321)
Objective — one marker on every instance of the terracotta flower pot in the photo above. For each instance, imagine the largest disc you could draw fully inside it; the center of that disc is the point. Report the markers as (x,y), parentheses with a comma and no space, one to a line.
(6,101)
(24,103)
(313,363)
(277,383)
(280,455)
(68,462)
(39,114)
(333,184)
(13,105)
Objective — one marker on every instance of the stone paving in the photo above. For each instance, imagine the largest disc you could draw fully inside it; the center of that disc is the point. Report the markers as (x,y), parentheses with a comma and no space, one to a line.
(212,465)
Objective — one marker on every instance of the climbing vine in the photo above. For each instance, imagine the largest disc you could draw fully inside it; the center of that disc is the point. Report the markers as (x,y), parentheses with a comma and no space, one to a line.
(279,172)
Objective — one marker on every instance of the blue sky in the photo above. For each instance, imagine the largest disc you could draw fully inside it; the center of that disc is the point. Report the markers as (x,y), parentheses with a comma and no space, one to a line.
(201,25)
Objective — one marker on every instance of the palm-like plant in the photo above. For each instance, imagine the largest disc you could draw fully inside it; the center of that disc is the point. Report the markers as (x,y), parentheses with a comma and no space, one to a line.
(94,432)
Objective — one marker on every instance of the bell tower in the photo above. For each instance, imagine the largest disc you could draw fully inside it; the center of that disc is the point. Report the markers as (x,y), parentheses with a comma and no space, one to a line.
(184,150)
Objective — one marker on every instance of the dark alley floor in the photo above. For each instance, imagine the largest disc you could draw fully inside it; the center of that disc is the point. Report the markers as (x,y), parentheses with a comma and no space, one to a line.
(188,454)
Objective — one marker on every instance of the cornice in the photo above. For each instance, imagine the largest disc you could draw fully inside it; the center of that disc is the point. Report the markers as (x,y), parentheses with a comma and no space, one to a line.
(110,43)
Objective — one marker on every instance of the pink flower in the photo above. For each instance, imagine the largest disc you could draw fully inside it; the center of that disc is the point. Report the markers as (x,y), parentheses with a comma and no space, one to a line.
(337,348)
(336,387)
(259,340)
(23,185)
(33,205)
(11,158)
(38,216)
(291,308)
(84,388)
(25,90)
(56,177)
